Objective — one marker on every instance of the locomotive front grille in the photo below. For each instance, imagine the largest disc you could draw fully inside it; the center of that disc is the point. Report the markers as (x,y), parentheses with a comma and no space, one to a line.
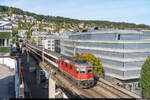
(86,83)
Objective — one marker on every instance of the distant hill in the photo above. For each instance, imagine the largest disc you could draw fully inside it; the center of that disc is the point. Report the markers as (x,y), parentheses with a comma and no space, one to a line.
(58,19)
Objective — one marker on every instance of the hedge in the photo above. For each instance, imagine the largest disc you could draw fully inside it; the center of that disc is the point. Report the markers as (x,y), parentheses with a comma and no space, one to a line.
(5,35)
(4,49)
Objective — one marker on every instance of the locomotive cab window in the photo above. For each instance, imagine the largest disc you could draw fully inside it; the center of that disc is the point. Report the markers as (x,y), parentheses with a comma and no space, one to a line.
(70,66)
(62,62)
(82,70)
(77,70)
(90,70)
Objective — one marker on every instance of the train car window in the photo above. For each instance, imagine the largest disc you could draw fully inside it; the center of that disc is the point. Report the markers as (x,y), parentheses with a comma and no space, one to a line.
(70,66)
(77,70)
(66,64)
(49,57)
(90,70)
(82,70)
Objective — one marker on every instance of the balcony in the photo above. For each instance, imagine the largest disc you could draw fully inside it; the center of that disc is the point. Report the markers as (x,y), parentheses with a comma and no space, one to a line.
(4,49)
(5,35)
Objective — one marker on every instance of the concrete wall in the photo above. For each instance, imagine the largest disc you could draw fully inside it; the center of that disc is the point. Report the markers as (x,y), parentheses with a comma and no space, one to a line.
(8,62)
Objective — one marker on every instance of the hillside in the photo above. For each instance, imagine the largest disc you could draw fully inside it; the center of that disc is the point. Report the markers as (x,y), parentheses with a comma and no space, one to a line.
(58,19)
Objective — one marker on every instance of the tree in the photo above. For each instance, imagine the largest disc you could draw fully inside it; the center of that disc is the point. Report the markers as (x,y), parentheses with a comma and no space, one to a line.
(28,34)
(145,78)
(14,35)
(19,24)
(13,40)
(121,27)
(76,55)
(49,32)
(111,26)
(40,27)
(32,41)
(18,47)
(14,32)
(58,19)
(94,61)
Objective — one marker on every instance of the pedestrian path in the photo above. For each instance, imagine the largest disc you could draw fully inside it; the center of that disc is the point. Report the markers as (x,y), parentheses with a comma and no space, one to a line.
(6,82)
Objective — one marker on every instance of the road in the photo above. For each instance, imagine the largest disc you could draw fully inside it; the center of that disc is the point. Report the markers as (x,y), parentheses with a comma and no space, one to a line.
(35,89)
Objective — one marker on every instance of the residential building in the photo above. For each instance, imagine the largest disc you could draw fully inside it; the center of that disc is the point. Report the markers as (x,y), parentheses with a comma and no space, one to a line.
(35,27)
(121,52)
(38,37)
(62,30)
(16,17)
(15,25)
(21,33)
(5,37)
(47,28)
(52,43)
(81,25)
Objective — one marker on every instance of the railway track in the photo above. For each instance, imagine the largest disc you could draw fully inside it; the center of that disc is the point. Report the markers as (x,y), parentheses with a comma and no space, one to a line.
(63,81)
(67,83)
(115,91)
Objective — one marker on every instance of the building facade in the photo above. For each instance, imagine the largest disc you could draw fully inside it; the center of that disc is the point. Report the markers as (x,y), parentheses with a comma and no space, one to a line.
(22,33)
(52,43)
(38,38)
(5,37)
(121,52)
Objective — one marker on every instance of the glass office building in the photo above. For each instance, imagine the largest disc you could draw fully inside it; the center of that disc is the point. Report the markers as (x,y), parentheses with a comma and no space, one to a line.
(121,52)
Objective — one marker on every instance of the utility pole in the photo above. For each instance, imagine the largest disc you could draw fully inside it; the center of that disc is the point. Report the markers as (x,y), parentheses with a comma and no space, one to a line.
(43,53)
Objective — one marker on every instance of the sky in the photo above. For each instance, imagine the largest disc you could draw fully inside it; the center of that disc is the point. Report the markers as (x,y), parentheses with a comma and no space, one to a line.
(132,11)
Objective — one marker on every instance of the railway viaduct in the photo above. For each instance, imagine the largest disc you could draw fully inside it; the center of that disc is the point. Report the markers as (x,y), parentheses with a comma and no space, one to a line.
(102,88)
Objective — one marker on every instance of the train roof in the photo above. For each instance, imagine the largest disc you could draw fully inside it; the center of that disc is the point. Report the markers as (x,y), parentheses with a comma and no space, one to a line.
(76,62)
(53,53)
(71,60)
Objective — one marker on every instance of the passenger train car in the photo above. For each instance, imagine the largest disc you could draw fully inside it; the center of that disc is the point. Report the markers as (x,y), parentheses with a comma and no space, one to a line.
(78,71)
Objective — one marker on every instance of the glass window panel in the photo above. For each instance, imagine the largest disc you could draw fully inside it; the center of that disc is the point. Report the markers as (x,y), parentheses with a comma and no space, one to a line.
(70,66)
(90,70)
(82,70)
(77,70)
(66,64)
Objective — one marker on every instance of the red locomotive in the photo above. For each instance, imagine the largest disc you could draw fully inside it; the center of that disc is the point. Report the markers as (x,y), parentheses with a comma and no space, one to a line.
(79,71)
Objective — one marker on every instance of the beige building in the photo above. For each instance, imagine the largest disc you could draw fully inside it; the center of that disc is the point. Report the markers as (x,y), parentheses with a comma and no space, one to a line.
(38,39)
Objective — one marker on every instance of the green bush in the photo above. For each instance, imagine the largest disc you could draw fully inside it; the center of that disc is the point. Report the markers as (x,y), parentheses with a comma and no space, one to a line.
(93,60)
(145,78)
